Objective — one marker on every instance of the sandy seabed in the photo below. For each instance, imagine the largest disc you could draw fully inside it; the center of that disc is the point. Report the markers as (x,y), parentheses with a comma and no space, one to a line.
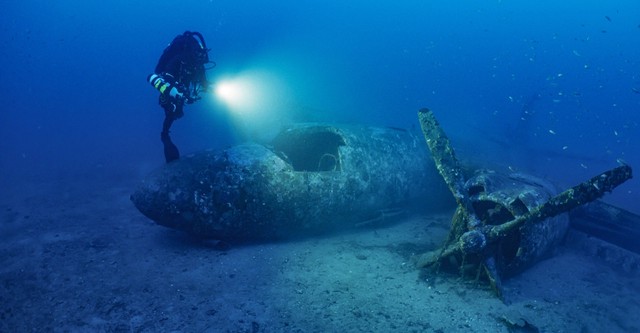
(76,256)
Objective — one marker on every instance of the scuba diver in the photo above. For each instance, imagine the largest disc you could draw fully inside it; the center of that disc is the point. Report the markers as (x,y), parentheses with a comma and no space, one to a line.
(180,76)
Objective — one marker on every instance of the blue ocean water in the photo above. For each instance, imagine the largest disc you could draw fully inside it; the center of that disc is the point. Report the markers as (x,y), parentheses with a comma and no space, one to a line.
(547,87)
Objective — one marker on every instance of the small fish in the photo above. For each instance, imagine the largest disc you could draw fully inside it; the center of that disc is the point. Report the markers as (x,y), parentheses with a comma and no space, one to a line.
(608,18)
(635,90)
(552,132)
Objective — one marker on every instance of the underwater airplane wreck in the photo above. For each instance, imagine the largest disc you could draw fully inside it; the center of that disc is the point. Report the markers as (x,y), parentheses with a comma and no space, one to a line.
(311,178)
(315,178)
(504,223)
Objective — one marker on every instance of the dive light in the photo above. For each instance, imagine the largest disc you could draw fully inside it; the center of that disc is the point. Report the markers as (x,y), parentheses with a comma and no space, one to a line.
(165,87)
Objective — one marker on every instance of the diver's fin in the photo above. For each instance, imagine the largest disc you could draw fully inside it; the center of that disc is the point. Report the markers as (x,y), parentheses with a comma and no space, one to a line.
(171,152)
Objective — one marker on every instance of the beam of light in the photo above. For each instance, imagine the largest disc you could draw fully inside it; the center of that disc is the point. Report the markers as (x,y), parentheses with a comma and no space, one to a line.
(257,101)
(249,92)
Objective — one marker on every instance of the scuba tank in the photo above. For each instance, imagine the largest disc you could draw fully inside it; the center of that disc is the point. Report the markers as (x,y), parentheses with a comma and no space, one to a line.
(165,87)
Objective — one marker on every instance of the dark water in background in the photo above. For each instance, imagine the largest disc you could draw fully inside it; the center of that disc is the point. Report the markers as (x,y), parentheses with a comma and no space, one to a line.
(75,100)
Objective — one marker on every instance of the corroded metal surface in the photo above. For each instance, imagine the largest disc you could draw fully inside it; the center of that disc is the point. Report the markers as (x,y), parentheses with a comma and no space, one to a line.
(312,178)
(499,198)
(443,154)
(504,223)
(609,223)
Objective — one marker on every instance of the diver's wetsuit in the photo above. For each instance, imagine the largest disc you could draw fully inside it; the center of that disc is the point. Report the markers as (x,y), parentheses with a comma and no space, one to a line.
(179,76)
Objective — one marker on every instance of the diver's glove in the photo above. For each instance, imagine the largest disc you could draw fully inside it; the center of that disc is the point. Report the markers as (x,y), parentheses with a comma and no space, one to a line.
(205,85)
(191,100)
